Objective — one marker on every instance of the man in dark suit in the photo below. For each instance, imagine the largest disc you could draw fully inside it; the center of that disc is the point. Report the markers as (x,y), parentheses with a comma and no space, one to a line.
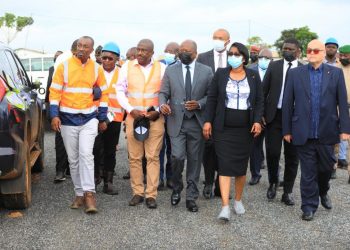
(257,156)
(273,87)
(215,58)
(315,117)
(185,86)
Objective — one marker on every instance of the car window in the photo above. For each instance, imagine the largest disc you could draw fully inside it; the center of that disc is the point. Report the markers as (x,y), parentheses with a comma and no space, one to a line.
(25,78)
(25,63)
(36,64)
(17,75)
(48,62)
(6,71)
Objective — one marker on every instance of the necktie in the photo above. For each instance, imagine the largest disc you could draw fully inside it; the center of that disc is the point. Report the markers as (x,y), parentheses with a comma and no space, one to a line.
(285,79)
(220,61)
(188,88)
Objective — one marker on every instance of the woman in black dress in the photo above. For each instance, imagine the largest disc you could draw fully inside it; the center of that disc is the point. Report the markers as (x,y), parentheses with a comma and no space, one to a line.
(233,114)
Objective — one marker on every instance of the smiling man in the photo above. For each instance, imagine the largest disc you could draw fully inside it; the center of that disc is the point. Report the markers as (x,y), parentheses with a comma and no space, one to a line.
(315,116)
(75,115)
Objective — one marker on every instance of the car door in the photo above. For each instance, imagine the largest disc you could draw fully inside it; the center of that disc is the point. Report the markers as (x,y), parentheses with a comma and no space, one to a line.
(27,93)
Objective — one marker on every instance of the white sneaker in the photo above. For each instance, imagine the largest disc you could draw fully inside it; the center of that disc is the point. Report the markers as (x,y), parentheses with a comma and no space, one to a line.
(239,208)
(225,213)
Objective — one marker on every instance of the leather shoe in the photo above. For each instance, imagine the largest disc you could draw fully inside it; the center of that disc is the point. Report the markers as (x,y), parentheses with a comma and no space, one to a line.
(308,216)
(271,192)
(90,202)
(151,203)
(208,191)
(254,180)
(326,201)
(175,198)
(191,206)
(288,199)
(136,199)
(78,202)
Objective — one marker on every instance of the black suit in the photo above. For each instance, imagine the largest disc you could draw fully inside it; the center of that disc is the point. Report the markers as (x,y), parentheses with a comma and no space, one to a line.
(272,86)
(209,156)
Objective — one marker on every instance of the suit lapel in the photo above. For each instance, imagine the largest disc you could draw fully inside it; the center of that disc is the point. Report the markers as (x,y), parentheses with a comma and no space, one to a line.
(251,79)
(211,60)
(195,75)
(306,80)
(325,78)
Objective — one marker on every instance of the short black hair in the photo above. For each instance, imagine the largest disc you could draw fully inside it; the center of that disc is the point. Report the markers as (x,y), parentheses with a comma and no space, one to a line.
(243,50)
(293,41)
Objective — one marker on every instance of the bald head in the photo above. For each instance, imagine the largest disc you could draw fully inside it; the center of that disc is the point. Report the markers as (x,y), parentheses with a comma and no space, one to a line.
(172,48)
(147,43)
(144,51)
(265,53)
(315,52)
(221,34)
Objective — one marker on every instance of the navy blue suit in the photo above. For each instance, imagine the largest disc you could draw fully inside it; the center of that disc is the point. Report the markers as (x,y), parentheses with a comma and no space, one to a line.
(316,154)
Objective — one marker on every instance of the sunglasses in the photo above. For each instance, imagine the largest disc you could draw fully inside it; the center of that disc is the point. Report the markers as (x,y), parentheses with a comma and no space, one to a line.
(233,54)
(107,58)
(316,51)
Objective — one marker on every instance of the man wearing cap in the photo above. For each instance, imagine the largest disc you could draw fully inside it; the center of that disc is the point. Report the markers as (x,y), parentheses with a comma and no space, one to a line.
(109,138)
(344,58)
(183,98)
(331,52)
(137,92)
(254,55)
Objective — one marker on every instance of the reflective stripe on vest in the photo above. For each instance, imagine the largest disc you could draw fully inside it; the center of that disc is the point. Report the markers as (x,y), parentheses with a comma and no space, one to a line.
(78,111)
(6,151)
(143,93)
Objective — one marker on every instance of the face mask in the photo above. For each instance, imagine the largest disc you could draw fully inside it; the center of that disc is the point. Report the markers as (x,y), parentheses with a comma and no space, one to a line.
(185,58)
(289,56)
(235,61)
(344,61)
(169,58)
(253,58)
(218,45)
(263,63)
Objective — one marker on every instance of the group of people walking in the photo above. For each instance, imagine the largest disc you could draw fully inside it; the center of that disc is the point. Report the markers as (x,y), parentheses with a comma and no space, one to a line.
(212,109)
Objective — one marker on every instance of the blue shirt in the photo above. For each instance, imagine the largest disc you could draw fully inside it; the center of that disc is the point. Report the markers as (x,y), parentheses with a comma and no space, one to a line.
(315,87)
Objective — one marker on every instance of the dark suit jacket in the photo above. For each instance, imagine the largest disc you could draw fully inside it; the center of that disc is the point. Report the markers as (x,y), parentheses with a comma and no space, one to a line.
(49,80)
(296,108)
(215,108)
(272,86)
(207,58)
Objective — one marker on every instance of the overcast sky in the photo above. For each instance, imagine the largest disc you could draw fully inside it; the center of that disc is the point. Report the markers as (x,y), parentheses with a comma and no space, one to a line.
(57,23)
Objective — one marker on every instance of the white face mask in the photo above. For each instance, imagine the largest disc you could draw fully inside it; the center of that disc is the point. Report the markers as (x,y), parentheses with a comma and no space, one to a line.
(219,45)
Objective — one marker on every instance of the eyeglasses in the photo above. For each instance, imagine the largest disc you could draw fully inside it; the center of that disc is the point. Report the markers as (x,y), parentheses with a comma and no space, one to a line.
(316,51)
(107,58)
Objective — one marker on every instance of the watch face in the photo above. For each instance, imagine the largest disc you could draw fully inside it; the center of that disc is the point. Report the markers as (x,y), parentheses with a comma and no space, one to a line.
(110,116)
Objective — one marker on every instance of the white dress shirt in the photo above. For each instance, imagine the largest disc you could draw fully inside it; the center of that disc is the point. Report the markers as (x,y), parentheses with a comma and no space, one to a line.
(109,76)
(122,84)
(223,57)
(285,67)
(184,71)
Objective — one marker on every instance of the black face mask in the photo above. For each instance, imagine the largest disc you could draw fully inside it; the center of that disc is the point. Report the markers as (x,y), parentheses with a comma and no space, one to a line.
(344,61)
(253,58)
(288,55)
(185,58)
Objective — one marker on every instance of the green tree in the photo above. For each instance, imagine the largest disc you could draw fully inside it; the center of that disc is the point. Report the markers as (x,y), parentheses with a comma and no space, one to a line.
(257,40)
(303,35)
(12,24)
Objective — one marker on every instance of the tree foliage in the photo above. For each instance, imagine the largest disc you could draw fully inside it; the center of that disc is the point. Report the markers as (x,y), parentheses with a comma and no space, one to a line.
(12,24)
(303,35)
(257,40)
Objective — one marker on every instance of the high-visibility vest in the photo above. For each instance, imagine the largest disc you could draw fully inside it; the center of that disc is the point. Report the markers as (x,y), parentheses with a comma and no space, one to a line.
(113,104)
(72,84)
(143,93)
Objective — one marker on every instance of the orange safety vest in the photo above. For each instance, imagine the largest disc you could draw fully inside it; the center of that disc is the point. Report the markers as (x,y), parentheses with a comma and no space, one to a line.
(72,85)
(143,93)
(113,104)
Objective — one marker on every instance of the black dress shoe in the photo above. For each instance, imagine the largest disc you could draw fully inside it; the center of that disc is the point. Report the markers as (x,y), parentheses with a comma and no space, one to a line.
(208,191)
(151,203)
(175,198)
(126,176)
(169,184)
(326,201)
(271,192)
(160,186)
(308,216)
(288,199)
(59,177)
(342,163)
(254,180)
(191,206)
(136,199)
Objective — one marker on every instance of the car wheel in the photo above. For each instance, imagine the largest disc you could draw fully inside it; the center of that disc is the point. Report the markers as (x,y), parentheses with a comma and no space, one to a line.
(21,200)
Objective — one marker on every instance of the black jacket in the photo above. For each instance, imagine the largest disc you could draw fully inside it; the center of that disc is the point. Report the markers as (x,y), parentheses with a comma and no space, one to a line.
(215,108)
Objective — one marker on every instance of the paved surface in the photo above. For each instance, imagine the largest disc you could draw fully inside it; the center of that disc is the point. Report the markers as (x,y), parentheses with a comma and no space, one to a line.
(50,224)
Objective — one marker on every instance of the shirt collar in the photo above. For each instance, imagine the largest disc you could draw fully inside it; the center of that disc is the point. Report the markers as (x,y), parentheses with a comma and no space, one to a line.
(294,63)
(135,62)
(191,64)
(216,54)
(320,69)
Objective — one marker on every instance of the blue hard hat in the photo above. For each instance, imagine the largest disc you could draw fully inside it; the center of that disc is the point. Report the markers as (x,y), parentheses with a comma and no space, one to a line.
(111,47)
(332,40)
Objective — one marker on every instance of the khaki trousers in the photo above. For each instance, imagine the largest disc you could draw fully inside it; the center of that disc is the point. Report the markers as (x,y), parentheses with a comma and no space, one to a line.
(151,148)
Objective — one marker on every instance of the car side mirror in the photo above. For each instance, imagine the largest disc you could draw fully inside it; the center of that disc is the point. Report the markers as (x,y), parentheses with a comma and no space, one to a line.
(36,84)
